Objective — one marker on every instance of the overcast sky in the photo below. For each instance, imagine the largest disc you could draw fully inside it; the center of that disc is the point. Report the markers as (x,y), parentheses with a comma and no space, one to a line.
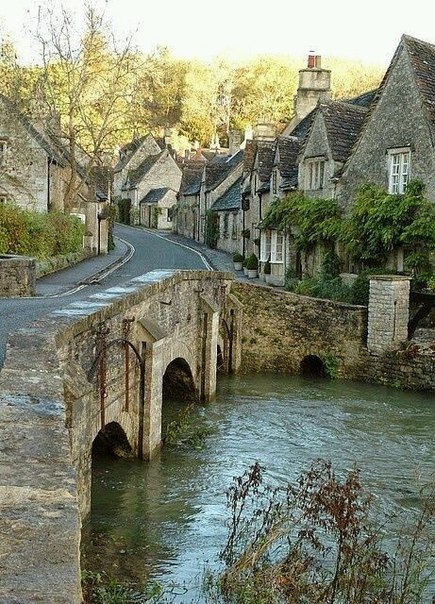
(367,30)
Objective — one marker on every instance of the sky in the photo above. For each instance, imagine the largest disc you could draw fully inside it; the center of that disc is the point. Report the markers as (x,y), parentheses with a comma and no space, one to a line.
(367,30)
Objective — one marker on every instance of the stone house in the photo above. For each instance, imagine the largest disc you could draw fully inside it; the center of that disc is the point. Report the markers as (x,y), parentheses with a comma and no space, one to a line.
(227,209)
(150,185)
(187,210)
(32,165)
(35,170)
(397,142)
(204,182)
(130,157)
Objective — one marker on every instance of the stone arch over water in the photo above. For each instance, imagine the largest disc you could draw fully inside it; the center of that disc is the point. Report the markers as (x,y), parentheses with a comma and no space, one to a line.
(178,382)
(112,440)
(312,366)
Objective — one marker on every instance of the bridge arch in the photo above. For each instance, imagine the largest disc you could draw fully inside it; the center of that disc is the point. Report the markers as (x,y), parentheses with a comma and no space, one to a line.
(178,382)
(312,366)
(112,439)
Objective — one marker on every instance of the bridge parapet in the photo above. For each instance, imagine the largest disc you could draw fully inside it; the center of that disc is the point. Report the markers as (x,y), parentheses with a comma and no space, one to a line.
(83,367)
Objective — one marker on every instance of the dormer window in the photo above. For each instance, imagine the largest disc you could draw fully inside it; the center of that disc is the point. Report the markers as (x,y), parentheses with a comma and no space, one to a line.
(315,173)
(399,167)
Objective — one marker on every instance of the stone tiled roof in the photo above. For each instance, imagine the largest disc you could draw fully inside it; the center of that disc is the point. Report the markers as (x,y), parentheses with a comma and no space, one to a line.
(231,199)
(287,151)
(127,152)
(422,59)
(155,195)
(220,167)
(265,157)
(191,178)
(343,123)
(301,130)
(363,100)
(136,175)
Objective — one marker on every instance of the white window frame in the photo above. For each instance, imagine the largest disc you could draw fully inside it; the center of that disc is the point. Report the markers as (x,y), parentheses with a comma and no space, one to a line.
(266,243)
(399,169)
(277,256)
(315,173)
(272,246)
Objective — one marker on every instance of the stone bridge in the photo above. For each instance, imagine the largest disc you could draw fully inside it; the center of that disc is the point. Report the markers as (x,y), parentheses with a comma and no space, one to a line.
(92,369)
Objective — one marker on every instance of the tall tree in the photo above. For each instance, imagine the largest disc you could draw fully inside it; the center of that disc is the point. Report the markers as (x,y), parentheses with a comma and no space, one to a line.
(87,84)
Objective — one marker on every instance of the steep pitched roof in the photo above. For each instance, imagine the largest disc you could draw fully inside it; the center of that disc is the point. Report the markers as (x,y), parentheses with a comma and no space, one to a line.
(422,60)
(55,152)
(220,167)
(127,152)
(363,100)
(264,161)
(231,199)
(191,178)
(343,124)
(155,195)
(287,154)
(136,175)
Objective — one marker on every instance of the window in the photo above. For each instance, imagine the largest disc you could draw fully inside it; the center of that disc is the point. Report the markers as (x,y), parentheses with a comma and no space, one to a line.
(315,174)
(399,164)
(272,246)
(234,225)
(170,214)
(3,147)
(225,234)
(266,240)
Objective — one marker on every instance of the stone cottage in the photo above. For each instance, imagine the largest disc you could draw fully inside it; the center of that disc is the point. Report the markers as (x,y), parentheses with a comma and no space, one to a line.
(35,173)
(147,180)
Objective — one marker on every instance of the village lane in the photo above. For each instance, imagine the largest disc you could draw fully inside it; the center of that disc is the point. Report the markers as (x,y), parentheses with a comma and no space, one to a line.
(148,251)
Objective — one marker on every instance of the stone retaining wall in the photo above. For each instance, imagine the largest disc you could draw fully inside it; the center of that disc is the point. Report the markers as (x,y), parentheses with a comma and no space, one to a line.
(17,276)
(281,328)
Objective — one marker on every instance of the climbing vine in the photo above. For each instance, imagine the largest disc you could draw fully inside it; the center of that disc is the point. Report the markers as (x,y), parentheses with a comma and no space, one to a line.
(314,221)
(379,223)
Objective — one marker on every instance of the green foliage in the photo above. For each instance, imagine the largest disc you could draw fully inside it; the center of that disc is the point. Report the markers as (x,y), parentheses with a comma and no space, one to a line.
(379,223)
(315,221)
(237,257)
(330,364)
(180,431)
(156,212)
(329,288)
(37,234)
(251,262)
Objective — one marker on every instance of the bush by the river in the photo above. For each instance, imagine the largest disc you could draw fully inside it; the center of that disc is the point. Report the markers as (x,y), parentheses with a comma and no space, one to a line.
(37,234)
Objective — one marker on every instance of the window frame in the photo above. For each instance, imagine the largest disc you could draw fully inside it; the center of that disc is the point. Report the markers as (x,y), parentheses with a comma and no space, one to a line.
(399,169)
(315,173)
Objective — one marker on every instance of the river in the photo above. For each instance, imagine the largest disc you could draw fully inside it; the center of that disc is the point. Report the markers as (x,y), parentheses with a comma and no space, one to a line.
(167,519)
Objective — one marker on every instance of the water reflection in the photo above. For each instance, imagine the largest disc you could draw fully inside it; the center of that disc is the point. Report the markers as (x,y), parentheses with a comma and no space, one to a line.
(168,518)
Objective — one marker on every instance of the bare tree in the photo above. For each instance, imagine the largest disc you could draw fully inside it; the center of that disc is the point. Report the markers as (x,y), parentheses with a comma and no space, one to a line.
(86,87)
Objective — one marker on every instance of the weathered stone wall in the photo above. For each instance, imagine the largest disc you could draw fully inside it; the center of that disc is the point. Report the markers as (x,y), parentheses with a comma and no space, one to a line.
(63,380)
(17,276)
(388,312)
(387,129)
(281,328)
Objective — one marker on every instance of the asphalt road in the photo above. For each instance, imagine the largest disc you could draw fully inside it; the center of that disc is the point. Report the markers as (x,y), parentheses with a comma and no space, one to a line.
(150,251)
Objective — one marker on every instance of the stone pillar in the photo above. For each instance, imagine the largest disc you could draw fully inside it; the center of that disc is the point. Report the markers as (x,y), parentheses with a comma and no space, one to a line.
(388,312)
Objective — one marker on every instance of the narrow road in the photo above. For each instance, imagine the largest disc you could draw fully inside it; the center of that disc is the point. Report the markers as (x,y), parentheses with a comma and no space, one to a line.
(151,251)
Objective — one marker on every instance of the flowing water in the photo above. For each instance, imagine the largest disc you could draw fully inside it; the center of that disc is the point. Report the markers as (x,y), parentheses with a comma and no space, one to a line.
(167,519)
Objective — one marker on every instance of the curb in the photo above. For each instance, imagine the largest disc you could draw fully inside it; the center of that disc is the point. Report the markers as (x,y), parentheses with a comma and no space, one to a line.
(103,272)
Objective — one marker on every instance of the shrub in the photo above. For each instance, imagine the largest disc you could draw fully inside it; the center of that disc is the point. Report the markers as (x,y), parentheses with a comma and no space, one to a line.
(316,541)
(252,262)
(237,257)
(37,234)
